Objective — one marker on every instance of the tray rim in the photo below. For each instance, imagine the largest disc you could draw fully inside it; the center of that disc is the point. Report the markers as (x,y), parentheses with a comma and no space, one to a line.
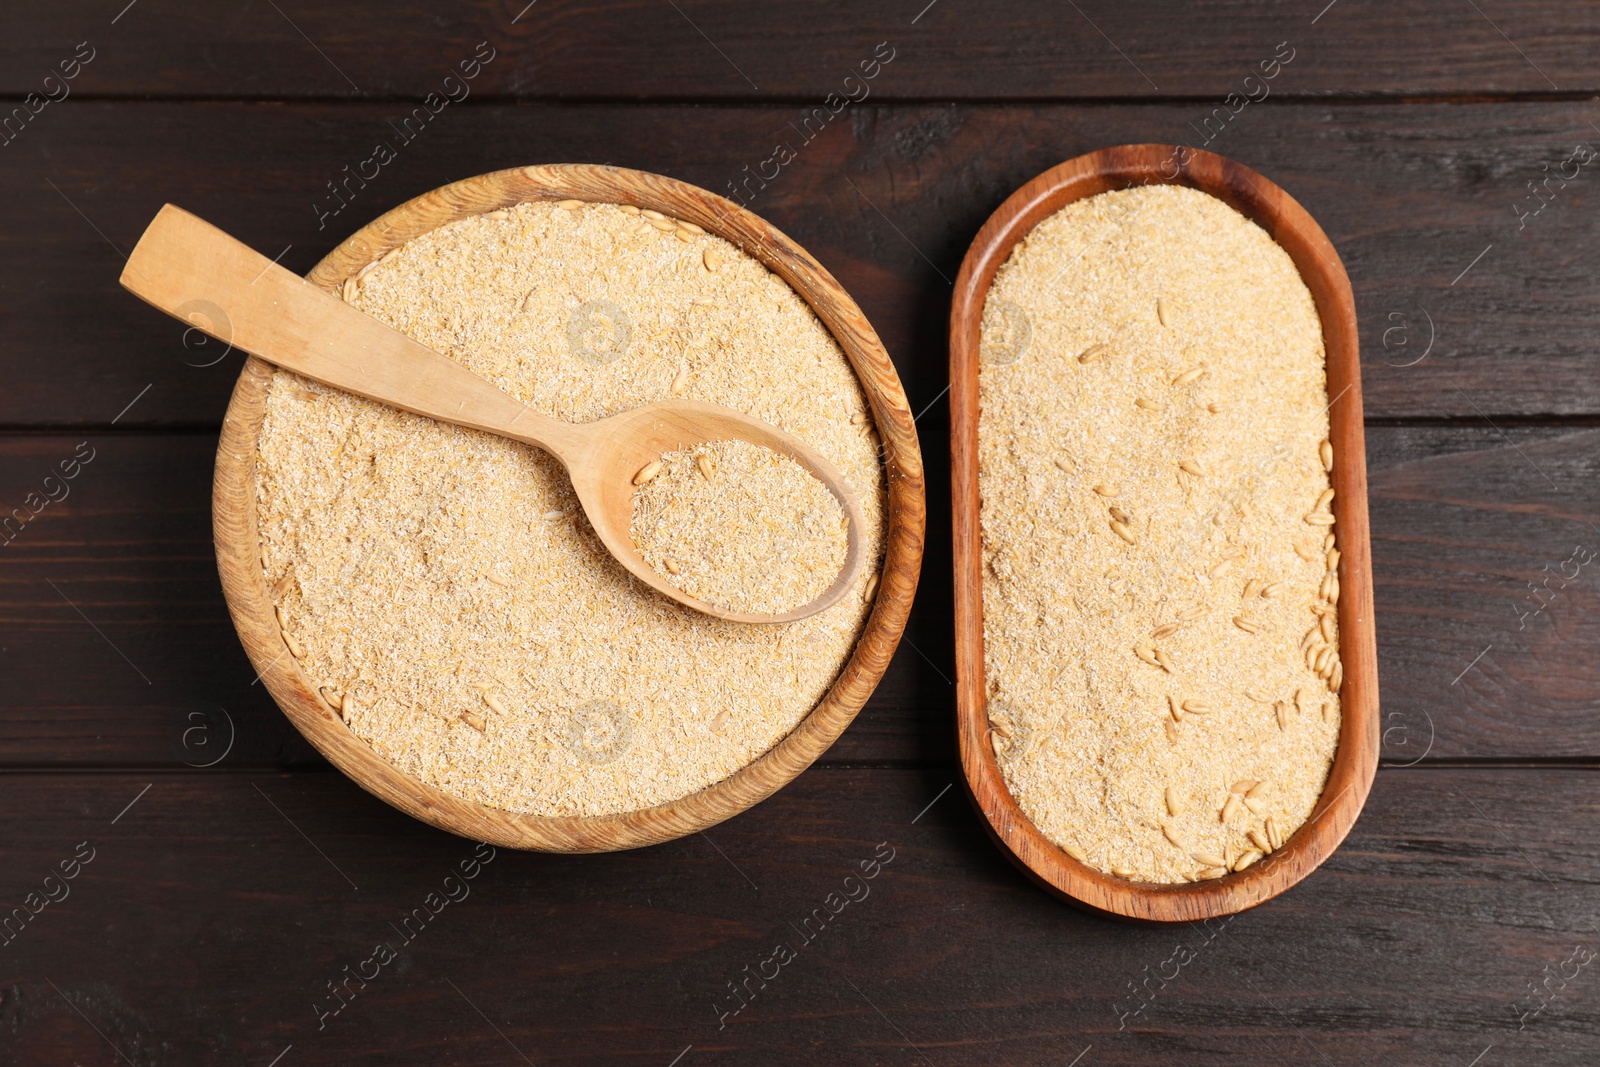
(1355,762)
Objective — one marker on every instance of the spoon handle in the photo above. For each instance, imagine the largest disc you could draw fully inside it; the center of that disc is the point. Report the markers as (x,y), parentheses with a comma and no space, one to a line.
(194,272)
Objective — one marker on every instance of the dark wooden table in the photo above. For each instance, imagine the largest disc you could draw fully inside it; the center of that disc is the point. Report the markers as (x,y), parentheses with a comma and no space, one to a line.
(224,880)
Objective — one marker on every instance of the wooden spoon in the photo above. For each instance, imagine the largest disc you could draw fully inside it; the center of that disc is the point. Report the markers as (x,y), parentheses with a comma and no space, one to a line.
(193,271)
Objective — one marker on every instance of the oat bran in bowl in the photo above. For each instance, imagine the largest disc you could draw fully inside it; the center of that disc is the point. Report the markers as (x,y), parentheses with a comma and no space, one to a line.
(457,642)
(1167,679)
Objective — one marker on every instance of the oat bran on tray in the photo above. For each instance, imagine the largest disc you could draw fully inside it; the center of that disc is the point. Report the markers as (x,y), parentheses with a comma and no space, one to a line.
(442,585)
(1160,635)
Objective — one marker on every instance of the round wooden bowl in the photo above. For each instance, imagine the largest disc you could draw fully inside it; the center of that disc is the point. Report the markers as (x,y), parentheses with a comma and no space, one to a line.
(1356,761)
(244,585)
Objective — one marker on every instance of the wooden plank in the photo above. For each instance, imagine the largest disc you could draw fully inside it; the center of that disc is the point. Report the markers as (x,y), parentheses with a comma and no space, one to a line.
(1462,519)
(116,643)
(1460,312)
(720,49)
(1417,942)
(1486,590)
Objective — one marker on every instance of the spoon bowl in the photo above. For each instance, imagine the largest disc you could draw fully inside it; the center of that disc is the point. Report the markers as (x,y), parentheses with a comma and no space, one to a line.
(193,271)
(622,444)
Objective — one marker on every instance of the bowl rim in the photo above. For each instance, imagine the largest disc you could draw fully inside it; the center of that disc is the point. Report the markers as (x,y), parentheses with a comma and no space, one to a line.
(250,604)
(1355,761)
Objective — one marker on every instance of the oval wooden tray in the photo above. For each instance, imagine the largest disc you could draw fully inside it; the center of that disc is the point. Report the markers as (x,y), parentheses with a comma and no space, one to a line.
(1288,223)
(244,585)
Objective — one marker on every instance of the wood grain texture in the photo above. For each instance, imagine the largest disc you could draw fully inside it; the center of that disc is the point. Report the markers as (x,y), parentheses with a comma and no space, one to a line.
(1355,762)
(1462,524)
(1415,944)
(722,49)
(243,575)
(1410,195)
(1512,613)
(1418,942)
